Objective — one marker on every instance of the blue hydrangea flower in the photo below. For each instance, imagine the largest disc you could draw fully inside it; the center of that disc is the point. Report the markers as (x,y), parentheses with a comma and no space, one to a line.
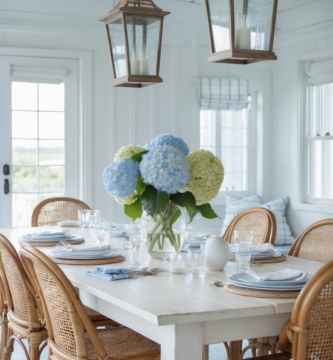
(171,140)
(121,177)
(165,168)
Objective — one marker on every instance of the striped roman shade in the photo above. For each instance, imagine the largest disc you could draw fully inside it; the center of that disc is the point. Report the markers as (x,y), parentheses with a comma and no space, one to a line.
(223,94)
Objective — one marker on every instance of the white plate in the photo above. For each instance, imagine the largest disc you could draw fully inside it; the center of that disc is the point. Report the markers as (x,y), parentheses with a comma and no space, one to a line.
(286,288)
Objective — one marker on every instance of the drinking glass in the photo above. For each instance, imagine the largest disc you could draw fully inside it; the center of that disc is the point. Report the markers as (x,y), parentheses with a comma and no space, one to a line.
(243,260)
(101,229)
(243,240)
(127,245)
(138,237)
(177,264)
(196,261)
(94,215)
(83,217)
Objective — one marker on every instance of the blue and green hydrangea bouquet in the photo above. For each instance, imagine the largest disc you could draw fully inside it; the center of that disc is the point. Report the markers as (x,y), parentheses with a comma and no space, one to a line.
(161,178)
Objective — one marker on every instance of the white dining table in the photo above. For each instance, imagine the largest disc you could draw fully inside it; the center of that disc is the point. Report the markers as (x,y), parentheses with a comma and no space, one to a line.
(180,312)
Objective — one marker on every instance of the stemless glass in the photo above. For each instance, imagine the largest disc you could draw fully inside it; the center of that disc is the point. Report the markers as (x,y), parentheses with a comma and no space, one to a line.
(243,240)
(196,261)
(101,229)
(83,217)
(243,260)
(138,237)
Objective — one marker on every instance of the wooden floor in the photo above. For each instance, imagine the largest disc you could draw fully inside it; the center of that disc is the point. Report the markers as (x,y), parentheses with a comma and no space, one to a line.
(216,352)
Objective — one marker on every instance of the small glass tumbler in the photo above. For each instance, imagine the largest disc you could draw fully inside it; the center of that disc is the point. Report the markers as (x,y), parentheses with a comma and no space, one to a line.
(196,262)
(177,264)
(243,240)
(243,261)
(127,245)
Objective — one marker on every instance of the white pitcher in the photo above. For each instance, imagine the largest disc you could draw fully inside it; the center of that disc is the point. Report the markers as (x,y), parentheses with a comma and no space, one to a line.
(217,253)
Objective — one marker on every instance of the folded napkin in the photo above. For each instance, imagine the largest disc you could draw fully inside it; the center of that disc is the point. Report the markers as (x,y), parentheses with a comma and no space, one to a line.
(69,223)
(111,274)
(83,247)
(263,248)
(285,274)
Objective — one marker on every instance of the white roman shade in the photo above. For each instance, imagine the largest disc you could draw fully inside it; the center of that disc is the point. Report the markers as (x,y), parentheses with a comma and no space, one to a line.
(39,74)
(319,72)
(223,94)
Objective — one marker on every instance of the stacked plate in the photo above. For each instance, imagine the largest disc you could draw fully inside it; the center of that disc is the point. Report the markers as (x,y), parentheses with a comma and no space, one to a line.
(86,253)
(247,281)
(264,251)
(49,236)
(194,241)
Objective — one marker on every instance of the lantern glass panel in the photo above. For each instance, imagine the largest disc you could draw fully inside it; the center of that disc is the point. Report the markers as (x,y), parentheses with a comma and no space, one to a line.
(253,21)
(118,47)
(143,42)
(220,23)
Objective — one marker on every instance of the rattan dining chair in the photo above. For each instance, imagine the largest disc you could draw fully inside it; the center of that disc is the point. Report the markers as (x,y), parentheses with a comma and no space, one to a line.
(309,332)
(259,220)
(71,333)
(23,316)
(51,211)
(315,243)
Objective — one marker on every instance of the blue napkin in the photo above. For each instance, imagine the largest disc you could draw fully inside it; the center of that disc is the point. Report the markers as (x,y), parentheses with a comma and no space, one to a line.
(111,274)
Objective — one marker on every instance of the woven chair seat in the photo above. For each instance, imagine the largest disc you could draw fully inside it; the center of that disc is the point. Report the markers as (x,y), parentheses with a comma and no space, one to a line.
(122,342)
(94,315)
(280,356)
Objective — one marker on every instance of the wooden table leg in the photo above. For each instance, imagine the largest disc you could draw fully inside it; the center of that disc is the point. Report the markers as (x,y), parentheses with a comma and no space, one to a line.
(262,351)
(235,349)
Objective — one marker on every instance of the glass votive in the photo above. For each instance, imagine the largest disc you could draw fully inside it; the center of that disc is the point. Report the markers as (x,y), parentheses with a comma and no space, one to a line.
(196,262)
(177,264)
(243,261)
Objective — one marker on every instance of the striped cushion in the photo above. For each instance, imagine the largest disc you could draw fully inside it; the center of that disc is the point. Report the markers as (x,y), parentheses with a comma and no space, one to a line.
(278,208)
(235,205)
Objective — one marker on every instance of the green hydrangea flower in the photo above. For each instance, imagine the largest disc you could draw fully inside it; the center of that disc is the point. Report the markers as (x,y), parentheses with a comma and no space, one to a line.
(127,200)
(207,174)
(128,151)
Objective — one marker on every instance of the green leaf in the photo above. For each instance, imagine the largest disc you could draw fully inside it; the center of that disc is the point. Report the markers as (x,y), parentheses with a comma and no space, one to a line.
(206,211)
(140,186)
(174,217)
(138,157)
(134,211)
(154,201)
(186,200)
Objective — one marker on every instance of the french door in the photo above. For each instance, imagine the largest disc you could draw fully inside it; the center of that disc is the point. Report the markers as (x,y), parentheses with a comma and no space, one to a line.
(39,134)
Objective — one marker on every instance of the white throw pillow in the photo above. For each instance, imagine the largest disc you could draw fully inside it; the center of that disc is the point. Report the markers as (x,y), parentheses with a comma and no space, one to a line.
(283,232)
(235,205)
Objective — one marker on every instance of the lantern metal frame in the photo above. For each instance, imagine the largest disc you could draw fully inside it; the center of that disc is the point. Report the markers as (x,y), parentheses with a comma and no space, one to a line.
(136,9)
(240,56)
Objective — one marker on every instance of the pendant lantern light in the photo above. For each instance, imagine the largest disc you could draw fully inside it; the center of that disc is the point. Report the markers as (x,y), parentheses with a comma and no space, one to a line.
(134,31)
(241,31)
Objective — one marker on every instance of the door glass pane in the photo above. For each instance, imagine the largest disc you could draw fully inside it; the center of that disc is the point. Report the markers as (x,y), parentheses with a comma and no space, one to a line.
(24,96)
(219,14)
(143,37)
(51,178)
(24,179)
(51,152)
(38,146)
(23,206)
(24,124)
(51,125)
(51,97)
(116,33)
(24,152)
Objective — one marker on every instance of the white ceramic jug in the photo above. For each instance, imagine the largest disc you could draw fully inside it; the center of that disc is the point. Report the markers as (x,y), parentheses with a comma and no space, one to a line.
(217,253)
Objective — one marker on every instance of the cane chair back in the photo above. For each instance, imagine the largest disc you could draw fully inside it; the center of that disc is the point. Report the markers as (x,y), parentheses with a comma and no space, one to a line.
(18,290)
(51,211)
(311,324)
(65,316)
(315,243)
(259,220)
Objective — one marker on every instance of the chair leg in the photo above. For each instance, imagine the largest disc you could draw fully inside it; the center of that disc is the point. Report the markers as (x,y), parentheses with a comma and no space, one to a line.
(4,334)
(9,347)
(205,354)
(235,350)
(34,352)
(262,350)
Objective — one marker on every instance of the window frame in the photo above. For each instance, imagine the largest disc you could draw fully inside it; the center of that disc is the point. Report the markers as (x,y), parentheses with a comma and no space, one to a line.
(254,156)
(308,159)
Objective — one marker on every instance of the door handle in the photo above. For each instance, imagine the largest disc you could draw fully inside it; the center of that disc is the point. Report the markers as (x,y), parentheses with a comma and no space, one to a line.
(6,187)
(6,169)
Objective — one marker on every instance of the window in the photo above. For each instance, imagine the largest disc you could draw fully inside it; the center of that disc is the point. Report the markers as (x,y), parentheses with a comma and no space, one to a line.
(229,135)
(319,138)
(38,146)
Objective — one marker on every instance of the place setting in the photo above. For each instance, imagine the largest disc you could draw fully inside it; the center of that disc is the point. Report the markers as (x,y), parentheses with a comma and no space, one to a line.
(50,238)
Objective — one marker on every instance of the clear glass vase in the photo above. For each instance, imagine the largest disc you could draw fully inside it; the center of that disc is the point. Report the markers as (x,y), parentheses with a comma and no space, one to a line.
(166,232)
